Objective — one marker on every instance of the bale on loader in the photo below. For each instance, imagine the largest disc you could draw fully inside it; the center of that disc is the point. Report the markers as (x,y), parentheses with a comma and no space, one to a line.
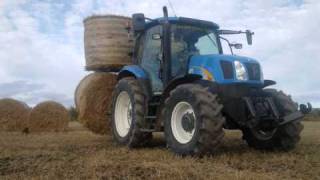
(13,115)
(48,116)
(93,98)
(107,42)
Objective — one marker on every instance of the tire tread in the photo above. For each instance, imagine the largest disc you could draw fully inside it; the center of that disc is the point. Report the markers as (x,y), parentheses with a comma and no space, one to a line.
(211,127)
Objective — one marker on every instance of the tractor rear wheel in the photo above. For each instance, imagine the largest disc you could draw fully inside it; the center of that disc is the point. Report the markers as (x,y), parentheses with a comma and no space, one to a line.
(128,111)
(285,137)
(193,120)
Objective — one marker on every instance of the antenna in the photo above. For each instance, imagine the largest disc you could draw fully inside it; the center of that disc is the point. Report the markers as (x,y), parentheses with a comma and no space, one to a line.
(171,6)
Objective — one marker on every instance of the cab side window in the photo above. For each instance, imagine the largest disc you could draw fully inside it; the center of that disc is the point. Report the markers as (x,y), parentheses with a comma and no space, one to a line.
(150,59)
(139,48)
(179,50)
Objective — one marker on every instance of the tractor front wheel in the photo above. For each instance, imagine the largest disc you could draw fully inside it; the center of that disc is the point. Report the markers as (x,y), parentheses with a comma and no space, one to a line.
(284,137)
(128,111)
(193,120)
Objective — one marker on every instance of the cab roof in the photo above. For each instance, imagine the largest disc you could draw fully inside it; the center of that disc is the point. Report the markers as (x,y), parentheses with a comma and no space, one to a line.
(184,20)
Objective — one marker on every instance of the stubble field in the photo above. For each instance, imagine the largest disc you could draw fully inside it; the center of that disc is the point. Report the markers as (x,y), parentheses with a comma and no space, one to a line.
(80,154)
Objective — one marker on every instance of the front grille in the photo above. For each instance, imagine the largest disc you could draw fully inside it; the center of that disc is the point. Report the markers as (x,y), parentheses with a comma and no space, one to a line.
(253,71)
(227,69)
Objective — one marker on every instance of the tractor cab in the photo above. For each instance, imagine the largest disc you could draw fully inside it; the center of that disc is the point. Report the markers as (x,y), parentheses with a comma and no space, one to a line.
(165,54)
(171,48)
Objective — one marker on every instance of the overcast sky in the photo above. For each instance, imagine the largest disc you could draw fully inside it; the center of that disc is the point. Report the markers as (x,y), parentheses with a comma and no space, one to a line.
(41,41)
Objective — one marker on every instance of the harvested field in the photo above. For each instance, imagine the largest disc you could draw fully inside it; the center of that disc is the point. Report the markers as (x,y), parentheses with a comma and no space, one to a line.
(78,153)
(48,116)
(13,115)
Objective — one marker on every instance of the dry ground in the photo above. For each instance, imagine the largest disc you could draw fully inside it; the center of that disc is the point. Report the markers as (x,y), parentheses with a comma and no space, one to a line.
(79,154)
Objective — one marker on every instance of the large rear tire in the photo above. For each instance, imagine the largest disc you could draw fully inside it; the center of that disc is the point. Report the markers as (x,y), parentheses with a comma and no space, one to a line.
(285,137)
(128,112)
(193,120)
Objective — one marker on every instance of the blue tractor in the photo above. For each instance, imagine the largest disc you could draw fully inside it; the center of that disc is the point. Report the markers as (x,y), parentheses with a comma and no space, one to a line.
(181,83)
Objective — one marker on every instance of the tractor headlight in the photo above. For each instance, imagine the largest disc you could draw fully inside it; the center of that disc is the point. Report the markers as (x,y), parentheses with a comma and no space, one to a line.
(241,73)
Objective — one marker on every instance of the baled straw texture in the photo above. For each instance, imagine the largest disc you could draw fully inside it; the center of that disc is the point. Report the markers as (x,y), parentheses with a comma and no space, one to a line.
(107,42)
(48,116)
(93,98)
(13,115)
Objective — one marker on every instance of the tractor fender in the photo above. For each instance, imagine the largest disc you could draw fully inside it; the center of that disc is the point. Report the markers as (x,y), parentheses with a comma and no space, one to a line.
(268,83)
(132,70)
(138,73)
(189,78)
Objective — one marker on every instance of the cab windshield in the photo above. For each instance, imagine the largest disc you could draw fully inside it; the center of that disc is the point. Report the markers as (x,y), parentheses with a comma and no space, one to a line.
(187,41)
(194,40)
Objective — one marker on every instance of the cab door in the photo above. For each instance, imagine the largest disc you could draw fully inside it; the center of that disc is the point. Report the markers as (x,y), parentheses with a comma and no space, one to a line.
(152,57)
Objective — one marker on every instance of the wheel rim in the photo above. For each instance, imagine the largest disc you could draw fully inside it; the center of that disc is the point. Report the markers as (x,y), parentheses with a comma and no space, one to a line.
(123,114)
(182,122)
(263,134)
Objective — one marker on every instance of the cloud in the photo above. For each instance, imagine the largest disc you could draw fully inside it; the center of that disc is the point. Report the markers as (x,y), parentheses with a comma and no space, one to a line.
(35,97)
(17,87)
(41,42)
(32,93)
(30,55)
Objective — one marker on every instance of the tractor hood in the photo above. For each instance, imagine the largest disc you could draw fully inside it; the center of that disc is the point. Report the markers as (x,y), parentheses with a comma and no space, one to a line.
(222,69)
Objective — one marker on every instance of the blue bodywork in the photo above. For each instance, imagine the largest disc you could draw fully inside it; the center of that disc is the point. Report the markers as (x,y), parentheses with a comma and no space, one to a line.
(211,63)
(136,70)
(174,20)
(199,64)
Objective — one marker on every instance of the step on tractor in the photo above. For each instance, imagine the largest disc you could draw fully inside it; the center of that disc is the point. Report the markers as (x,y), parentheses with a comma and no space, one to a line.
(180,82)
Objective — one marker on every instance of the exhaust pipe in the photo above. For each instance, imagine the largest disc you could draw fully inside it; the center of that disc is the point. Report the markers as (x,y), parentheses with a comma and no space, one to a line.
(165,13)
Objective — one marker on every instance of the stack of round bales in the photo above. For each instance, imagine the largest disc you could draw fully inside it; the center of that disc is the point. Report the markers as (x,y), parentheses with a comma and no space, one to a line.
(107,42)
(93,98)
(48,116)
(13,115)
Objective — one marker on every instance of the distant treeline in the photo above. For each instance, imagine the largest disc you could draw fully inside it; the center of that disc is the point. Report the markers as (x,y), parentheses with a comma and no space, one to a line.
(314,115)
(73,113)
(315,112)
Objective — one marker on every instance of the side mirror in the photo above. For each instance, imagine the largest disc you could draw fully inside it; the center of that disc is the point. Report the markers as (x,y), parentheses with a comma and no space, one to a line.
(156,36)
(249,36)
(138,22)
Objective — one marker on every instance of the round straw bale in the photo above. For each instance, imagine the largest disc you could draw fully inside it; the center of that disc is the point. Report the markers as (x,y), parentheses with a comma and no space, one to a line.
(13,115)
(107,43)
(93,99)
(48,116)
(79,90)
